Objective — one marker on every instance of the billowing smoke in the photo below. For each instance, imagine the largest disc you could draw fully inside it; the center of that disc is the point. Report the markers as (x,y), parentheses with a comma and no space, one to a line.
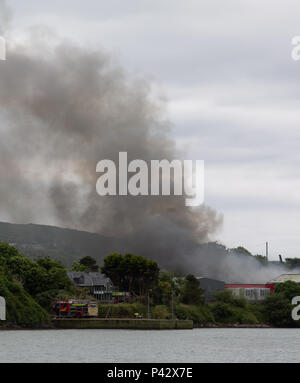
(233,267)
(62,109)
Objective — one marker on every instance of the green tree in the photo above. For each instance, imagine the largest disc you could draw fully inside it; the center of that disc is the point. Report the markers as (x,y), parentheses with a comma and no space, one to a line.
(89,263)
(293,262)
(131,272)
(241,250)
(41,277)
(21,308)
(76,266)
(289,289)
(278,311)
(191,292)
(162,293)
(278,306)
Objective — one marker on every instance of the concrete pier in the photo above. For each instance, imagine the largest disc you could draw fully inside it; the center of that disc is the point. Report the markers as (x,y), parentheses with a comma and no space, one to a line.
(121,323)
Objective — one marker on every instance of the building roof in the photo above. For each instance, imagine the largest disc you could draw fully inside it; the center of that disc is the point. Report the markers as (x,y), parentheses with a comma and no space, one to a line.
(285,278)
(248,285)
(89,279)
(209,279)
(199,278)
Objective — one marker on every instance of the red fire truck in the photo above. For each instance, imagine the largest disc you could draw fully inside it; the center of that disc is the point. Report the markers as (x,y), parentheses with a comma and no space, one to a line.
(70,309)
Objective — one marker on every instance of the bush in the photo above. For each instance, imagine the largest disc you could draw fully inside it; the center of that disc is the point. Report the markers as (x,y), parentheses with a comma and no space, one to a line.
(288,289)
(277,307)
(161,312)
(228,313)
(121,310)
(222,312)
(199,314)
(226,296)
(278,311)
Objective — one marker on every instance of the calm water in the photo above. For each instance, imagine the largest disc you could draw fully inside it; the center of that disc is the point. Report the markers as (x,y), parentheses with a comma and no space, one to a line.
(198,345)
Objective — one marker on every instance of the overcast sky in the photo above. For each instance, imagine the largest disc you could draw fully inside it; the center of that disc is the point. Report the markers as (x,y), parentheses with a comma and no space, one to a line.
(232,89)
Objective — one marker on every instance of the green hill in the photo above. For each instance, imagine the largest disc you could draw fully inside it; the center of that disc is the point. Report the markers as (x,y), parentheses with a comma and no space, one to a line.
(65,245)
(21,308)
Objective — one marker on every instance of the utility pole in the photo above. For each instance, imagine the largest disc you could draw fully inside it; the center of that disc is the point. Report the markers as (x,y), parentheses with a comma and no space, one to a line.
(148,305)
(172,306)
(267,251)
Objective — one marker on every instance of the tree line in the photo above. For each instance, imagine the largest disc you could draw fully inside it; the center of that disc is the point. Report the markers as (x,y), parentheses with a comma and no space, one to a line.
(30,285)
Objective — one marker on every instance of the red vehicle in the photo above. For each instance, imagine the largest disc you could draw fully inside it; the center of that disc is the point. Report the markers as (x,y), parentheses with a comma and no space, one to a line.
(71,309)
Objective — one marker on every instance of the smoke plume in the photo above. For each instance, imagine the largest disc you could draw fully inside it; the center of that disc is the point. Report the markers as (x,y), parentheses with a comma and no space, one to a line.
(62,109)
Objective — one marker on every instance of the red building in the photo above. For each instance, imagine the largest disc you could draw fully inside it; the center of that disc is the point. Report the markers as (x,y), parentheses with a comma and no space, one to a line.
(251,292)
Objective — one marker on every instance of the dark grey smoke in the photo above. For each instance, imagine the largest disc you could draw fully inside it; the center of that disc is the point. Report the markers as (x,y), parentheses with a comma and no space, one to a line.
(62,110)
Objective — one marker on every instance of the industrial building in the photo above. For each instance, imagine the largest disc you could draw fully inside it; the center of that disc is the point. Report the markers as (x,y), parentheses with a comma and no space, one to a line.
(210,286)
(258,292)
(285,277)
(251,292)
(2,309)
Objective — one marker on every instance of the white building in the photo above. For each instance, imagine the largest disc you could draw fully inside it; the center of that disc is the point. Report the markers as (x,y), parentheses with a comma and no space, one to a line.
(2,309)
(251,292)
(286,277)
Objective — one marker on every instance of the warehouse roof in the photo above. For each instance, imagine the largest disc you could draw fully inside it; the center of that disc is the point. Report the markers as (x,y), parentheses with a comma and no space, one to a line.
(285,278)
(245,285)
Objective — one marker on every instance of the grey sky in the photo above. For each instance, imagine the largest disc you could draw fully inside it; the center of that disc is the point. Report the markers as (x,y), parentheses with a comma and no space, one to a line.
(232,91)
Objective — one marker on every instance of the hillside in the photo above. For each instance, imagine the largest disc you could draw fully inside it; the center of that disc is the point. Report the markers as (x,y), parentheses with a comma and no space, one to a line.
(21,308)
(65,245)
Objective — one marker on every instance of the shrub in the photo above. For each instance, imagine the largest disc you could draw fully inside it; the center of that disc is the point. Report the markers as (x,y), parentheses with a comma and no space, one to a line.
(226,296)
(199,314)
(161,312)
(278,311)
(121,310)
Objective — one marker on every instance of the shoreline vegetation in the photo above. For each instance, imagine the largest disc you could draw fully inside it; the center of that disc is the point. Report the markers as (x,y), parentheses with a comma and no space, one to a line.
(29,287)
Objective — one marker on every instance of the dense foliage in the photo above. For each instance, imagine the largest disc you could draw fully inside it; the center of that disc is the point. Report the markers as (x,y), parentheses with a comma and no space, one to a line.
(191,292)
(131,273)
(21,308)
(41,278)
(278,306)
(29,285)
(87,264)
(229,309)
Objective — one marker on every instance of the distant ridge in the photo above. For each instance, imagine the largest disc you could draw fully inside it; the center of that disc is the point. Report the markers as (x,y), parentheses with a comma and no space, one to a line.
(66,245)
(69,245)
